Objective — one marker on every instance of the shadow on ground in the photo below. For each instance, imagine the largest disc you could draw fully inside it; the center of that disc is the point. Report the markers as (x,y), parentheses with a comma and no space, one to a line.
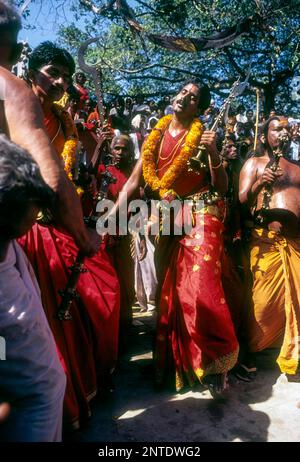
(262,410)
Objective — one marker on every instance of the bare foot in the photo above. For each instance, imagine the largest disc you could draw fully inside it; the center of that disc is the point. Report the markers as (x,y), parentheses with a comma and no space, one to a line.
(216,384)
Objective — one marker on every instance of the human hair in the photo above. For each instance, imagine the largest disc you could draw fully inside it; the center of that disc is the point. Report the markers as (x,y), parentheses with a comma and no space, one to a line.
(205,95)
(120,101)
(231,137)
(21,184)
(123,137)
(10,19)
(264,132)
(265,127)
(79,73)
(49,53)
(73,93)
(240,108)
(129,142)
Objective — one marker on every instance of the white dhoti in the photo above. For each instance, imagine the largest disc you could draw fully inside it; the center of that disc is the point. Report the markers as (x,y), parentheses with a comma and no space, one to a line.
(32,379)
(145,280)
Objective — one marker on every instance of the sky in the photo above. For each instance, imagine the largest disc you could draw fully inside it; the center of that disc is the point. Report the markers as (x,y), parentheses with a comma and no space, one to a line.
(46,21)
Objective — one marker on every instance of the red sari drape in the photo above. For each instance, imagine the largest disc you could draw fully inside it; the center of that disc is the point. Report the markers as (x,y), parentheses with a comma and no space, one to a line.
(88,344)
(195,333)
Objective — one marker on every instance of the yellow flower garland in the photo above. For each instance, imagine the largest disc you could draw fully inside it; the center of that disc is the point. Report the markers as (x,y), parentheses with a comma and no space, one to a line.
(70,147)
(150,151)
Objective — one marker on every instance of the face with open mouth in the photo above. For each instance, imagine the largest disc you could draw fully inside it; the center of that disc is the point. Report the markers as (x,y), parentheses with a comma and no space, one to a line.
(187,100)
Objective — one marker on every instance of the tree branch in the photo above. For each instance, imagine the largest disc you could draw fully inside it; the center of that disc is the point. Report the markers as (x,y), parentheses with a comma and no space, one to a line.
(96,9)
(156,13)
(24,6)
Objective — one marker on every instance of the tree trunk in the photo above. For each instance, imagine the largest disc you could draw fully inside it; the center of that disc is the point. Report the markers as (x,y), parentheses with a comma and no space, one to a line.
(268,98)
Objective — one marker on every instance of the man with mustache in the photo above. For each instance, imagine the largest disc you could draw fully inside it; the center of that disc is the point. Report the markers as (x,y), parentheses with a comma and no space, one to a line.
(269,186)
(195,338)
(21,119)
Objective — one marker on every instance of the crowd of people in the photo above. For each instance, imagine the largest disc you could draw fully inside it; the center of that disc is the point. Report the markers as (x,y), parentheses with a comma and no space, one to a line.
(136,117)
(222,292)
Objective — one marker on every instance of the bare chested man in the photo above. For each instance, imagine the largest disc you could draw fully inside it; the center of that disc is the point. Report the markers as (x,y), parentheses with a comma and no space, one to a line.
(270,186)
(21,120)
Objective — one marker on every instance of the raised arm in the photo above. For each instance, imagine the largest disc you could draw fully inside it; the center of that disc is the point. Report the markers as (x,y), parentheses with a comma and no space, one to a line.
(24,119)
(218,174)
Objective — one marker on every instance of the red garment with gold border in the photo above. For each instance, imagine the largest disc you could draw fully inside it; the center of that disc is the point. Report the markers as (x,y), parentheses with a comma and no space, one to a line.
(195,333)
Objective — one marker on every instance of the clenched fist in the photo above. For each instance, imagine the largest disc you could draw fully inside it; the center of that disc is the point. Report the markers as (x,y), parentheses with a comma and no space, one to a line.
(269,177)
(208,139)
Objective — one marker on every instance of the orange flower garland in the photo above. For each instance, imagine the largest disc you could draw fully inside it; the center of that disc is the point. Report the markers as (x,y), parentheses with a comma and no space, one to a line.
(150,151)
(70,147)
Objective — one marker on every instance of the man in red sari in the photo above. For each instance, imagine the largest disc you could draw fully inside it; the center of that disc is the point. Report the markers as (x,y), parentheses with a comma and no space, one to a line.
(195,335)
(89,343)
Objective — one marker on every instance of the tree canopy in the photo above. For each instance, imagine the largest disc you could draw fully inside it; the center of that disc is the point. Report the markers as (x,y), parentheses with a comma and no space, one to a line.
(271,47)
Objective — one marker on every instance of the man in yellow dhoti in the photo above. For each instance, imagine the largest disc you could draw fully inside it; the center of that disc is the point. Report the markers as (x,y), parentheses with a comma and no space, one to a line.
(270,186)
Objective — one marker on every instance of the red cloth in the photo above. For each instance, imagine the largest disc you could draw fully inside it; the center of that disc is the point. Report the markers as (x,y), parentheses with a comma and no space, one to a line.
(84,95)
(55,131)
(88,344)
(189,181)
(120,176)
(92,119)
(195,333)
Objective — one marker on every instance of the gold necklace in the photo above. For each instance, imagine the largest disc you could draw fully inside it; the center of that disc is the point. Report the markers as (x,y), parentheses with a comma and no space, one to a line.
(175,147)
(170,156)
(55,136)
(166,164)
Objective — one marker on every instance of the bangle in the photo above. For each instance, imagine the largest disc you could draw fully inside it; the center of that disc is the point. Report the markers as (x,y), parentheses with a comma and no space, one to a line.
(217,166)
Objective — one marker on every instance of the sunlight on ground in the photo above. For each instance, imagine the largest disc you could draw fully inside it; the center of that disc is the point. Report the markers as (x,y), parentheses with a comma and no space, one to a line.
(131,414)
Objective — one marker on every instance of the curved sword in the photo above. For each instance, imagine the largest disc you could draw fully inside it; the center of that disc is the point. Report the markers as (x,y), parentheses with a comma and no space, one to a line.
(95,72)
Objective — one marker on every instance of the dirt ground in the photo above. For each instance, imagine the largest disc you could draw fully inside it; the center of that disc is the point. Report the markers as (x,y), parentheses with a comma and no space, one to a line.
(263,410)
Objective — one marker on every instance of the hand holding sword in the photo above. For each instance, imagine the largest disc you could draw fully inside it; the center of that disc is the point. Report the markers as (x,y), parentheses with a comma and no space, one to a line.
(200,161)
(69,293)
